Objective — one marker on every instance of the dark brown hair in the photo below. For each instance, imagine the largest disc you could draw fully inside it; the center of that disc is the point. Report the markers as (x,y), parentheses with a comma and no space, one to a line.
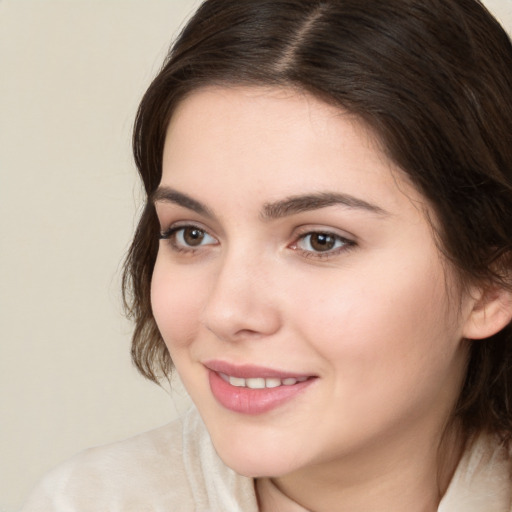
(432,78)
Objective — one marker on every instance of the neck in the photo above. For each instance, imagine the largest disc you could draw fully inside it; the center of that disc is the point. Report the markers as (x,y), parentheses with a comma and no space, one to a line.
(401,476)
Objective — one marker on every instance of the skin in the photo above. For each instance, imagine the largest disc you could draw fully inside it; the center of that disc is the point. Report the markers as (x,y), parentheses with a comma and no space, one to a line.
(371,318)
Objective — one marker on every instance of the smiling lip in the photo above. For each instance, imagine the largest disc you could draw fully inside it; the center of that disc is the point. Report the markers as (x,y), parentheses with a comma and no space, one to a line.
(249,389)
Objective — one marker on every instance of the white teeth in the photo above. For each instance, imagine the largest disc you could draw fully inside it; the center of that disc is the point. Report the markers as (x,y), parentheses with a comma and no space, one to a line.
(236,381)
(260,382)
(255,383)
(272,383)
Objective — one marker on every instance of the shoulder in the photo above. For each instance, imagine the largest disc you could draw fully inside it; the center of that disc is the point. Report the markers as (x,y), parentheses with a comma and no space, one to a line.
(483,479)
(144,473)
(172,468)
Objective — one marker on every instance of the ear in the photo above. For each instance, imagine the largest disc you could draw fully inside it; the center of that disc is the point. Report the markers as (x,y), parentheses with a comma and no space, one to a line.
(491,312)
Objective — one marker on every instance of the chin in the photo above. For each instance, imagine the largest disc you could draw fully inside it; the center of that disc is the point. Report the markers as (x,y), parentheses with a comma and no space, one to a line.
(256,468)
(255,459)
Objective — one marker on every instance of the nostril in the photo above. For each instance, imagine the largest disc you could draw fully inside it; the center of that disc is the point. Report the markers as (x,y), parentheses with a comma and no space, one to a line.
(237,309)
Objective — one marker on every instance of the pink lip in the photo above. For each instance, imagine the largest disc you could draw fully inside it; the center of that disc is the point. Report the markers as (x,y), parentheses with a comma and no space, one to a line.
(248,371)
(252,401)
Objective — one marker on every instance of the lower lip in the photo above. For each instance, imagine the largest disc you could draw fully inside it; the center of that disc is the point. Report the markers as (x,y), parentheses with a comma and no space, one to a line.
(253,401)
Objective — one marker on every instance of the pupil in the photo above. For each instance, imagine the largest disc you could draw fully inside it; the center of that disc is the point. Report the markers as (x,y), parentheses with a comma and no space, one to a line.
(322,242)
(193,236)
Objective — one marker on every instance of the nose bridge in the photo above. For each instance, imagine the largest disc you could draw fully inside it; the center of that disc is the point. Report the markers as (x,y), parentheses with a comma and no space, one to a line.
(242,301)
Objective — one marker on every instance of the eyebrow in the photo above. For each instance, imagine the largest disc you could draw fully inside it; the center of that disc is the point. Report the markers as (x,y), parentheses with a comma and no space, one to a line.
(169,195)
(276,210)
(303,203)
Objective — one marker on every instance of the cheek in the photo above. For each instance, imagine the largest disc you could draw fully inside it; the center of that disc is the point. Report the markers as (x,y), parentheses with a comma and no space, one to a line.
(389,349)
(176,306)
(381,325)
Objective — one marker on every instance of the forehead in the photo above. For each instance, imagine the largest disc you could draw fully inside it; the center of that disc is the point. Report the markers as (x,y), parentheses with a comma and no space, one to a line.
(277,139)
(263,108)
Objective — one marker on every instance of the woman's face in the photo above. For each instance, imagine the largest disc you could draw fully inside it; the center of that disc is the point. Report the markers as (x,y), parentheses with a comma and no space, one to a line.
(298,286)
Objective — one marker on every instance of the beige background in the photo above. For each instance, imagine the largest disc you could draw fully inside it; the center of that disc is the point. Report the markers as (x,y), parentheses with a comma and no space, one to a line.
(71,75)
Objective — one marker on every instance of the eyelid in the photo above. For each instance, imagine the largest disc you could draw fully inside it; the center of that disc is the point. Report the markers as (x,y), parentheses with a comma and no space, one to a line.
(171,235)
(170,215)
(320,228)
(175,226)
(348,242)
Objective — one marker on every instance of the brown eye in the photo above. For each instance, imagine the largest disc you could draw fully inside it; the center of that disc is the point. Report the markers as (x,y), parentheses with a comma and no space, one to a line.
(193,236)
(318,242)
(187,237)
(322,242)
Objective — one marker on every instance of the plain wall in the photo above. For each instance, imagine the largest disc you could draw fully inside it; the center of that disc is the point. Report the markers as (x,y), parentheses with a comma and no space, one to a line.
(71,75)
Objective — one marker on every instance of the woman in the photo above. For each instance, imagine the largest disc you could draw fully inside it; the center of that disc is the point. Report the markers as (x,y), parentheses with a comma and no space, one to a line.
(325,258)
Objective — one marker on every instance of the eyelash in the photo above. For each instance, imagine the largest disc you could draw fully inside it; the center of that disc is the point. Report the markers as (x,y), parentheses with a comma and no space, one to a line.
(171,233)
(346,244)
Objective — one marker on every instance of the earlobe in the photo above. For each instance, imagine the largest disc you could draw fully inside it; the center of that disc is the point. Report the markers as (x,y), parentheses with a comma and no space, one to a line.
(491,312)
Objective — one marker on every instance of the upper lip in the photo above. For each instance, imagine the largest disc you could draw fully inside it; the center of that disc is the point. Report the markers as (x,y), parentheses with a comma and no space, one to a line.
(249,371)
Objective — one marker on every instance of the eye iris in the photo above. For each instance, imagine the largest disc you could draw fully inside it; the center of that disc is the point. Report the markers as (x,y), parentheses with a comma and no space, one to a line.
(322,241)
(193,236)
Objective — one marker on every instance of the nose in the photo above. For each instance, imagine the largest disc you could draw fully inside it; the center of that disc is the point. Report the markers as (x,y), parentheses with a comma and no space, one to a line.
(242,303)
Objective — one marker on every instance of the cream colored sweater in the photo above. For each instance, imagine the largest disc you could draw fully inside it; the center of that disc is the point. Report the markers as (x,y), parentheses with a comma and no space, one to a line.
(175,469)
